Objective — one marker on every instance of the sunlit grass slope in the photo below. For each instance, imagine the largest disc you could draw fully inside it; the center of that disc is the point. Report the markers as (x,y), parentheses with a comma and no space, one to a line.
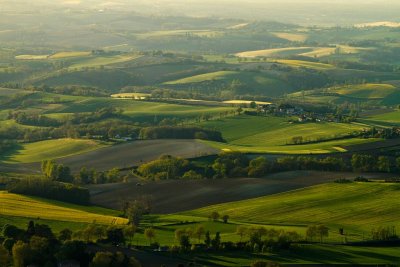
(35,208)
(273,134)
(52,149)
(355,205)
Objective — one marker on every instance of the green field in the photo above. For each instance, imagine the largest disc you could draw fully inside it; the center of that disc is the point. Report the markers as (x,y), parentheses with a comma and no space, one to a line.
(258,82)
(301,51)
(309,254)
(177,33)
(219,75)
(97,61)
(305,64)
(140,108)
(292,36)
(25,208)
(51,149)
(276,52)
(272,134)
(383,93)
(358,207)
(70,54)
(391,117)
(368,91)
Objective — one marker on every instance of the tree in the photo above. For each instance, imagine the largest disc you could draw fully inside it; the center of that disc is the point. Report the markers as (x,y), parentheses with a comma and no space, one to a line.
(258,167)
(43,230)
(192,175)
(4,256)
(311,232)
(129,232)
(383,164)
(56,172)
(322,231)
(216,242)
(207,240)
(115,235)
(40,250)
(199,231)
(30,231)
(214,216)
(102,259)
(184,242)
(398,164)
(65,235)
(363,162)
(225,218)
(264,264)
(179,233)
(241,231)
(150,234)
(256,234)
(239,110)
(11,231)
(253,104)
(83,176)
(21,253)
(134,211)
(72,250)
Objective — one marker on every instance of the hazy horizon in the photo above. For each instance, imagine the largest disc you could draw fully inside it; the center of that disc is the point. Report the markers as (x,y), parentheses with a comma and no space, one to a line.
(306,12)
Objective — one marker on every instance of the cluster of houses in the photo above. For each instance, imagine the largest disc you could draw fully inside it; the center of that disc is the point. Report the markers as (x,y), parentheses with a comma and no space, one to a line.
(296,111)
(283,109)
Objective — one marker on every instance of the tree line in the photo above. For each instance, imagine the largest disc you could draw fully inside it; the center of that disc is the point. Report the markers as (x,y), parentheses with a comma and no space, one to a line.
(53,171)
(51,190)
(169,132)
(236,164)
(38,245)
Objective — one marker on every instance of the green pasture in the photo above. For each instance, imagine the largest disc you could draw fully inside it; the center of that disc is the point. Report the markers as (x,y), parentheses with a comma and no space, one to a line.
(358,207)
(13,205)
(50,149)
(274,135)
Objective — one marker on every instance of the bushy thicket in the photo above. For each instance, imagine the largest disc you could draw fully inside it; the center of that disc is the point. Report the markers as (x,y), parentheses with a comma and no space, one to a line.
(51,190)
(168,132)
(236,164)
(6,145)
(164,168)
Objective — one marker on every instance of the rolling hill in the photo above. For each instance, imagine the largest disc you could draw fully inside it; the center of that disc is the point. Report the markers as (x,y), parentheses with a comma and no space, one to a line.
(51,149)
(356,206)
(20,208)
(273,134)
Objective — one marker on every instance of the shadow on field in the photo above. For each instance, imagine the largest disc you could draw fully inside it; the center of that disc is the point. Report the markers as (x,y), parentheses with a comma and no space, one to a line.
(180,195)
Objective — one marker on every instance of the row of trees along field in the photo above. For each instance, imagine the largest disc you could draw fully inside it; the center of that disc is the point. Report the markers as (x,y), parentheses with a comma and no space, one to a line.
(61,173)
(235,164)
(37,245)
(98,126)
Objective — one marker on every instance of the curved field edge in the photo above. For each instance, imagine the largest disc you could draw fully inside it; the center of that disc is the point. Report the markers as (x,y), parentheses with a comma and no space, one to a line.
(315,148)
(36,208)
(357,206)
(52,149)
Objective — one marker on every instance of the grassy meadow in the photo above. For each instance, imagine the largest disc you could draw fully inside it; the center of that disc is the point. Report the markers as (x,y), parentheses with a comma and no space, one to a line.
(31,208)
(274,135)
(375,93)
(358,207)
(52,149)
(390,117)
